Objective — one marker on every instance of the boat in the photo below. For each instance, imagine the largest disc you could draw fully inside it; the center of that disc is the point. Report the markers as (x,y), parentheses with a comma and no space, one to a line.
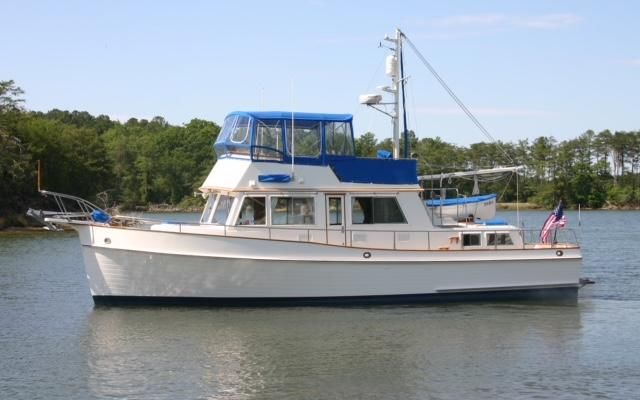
(448,206)
(481,207)
(294,217)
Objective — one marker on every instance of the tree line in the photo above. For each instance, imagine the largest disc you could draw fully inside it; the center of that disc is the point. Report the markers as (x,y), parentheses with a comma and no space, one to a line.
(141,162)
(594,170)
(131,164)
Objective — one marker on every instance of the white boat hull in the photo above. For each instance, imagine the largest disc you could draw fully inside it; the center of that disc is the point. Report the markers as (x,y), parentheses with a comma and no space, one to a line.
(129,265)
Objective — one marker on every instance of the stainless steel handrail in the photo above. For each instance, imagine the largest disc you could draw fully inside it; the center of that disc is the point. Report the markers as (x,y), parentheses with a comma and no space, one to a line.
(64,203)
(530,237)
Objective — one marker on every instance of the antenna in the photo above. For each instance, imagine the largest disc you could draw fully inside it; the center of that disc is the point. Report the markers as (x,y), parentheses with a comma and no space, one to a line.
(293,135)
(262,97)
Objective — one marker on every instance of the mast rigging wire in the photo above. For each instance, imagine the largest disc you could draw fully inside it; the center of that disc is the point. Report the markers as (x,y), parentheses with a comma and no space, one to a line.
(454,97)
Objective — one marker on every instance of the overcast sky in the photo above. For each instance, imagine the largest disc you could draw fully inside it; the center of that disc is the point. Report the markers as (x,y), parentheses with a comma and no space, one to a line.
(526,69)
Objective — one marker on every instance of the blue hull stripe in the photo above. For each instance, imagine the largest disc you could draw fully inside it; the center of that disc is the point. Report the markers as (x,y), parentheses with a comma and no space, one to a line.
(539,294)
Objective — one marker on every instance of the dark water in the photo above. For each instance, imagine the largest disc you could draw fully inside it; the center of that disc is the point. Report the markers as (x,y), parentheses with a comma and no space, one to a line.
(55,345)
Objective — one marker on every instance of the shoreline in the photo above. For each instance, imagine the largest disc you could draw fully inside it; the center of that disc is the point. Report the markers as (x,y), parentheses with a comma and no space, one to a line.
(20,222)
(536,207)
(25,230)
(515,206)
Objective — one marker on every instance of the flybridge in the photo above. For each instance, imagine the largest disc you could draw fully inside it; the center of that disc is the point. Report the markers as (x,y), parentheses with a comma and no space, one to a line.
(307,139)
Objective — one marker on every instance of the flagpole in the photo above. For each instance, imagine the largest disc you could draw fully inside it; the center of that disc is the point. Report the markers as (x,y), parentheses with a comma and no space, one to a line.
(579,217)
(39,175)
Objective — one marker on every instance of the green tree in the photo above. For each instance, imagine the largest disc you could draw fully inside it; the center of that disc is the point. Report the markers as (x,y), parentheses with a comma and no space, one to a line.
(10,101)
(436,156)
(15,161)
(366,145)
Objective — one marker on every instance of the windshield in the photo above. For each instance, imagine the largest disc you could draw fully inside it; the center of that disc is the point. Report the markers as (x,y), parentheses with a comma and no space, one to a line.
(234,137)
(206,213)
(222,209)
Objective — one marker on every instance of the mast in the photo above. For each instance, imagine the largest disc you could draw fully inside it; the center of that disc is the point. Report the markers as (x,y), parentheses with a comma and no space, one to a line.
(405,132)
(392,69)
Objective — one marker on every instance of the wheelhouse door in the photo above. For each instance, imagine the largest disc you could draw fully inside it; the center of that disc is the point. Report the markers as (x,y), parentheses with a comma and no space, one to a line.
(336,232)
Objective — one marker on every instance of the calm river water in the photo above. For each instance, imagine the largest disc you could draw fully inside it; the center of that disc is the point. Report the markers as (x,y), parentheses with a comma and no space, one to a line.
(55,345)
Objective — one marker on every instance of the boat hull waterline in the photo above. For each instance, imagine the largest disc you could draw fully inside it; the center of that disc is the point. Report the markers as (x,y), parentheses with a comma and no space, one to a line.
(135,266)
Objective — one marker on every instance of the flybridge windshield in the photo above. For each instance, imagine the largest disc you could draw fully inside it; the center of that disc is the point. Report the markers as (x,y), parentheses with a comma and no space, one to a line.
(275,136)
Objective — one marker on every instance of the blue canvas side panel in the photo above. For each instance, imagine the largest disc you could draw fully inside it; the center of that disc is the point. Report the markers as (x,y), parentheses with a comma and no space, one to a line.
(375,170)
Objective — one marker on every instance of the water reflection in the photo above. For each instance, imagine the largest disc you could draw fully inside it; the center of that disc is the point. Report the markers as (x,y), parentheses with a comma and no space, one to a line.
(322,352)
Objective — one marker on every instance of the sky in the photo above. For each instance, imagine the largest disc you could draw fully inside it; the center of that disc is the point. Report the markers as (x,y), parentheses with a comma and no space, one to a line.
(524,68)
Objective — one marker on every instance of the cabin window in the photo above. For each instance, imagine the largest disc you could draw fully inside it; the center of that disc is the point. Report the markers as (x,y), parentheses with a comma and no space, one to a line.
(240,133)
(206,213)
(471,239)
(227,127)
(268,144)
(292,211)
(252,211)
(306,138)
(338,138)
(240,137)
(376,210)
(498,239)
(335,210)
(222,209)
(235,136)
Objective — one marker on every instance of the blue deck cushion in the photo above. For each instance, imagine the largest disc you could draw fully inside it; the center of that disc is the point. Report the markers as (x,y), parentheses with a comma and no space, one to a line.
(384,154)
(494,222)
(274,178)
(100,216)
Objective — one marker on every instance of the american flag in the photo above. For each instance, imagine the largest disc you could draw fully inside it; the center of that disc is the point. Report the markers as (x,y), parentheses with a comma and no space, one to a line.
(556,219)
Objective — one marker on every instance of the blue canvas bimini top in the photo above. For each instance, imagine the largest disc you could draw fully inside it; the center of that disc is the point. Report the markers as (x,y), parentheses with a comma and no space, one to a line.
(306,116)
